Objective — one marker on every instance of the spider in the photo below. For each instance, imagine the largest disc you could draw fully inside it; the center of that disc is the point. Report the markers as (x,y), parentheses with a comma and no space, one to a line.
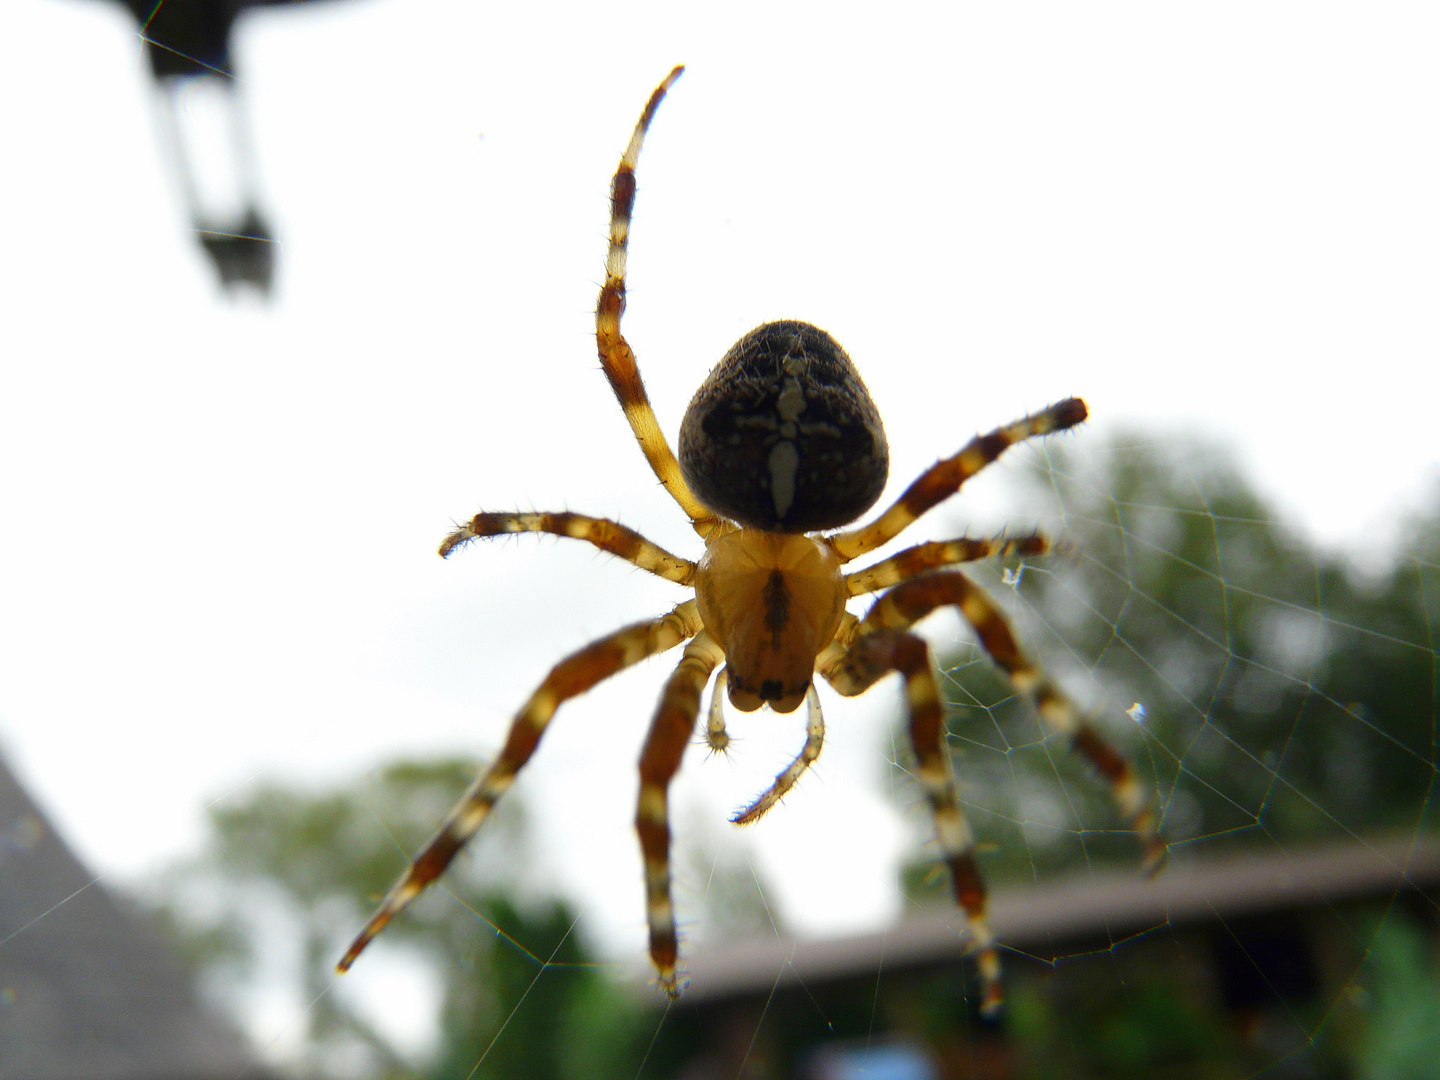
(780,447)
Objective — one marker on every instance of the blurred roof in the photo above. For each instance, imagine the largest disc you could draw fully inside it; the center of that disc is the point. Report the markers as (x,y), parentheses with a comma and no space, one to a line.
(1053,916)
(88,991)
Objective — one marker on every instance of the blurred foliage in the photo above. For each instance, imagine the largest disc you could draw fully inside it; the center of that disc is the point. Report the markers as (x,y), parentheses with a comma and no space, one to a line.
(297,871)
(1171,1014)
(1280,692)
(1402,1038)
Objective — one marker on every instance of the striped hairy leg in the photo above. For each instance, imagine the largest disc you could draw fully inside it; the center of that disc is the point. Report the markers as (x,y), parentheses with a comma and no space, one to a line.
(616,356)
(939,553)
(910,601)
(945,478)
(670,731)
(574,675)
(607,535)
(875,652)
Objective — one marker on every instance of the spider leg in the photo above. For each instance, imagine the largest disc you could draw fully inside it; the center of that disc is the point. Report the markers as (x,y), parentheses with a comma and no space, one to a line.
(913,600)
(574,675)
(833,653)
(922,557)
(606,535)
(616,356)
(659,761)
(944,478)
(875,652)
(814,740)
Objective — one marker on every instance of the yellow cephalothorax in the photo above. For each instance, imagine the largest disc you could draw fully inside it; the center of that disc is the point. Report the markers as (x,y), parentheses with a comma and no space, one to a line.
(780,447)
(772,602)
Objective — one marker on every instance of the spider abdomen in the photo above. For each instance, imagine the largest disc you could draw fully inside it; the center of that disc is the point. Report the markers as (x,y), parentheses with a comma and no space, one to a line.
(783,436)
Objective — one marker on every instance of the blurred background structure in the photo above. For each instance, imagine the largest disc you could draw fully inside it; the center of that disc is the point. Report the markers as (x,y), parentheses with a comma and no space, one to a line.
(87,985)
(1225,966)
(239,682)
(202,113)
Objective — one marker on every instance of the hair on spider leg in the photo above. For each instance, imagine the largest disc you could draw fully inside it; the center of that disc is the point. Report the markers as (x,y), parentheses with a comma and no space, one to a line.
(716,751)
(781,452)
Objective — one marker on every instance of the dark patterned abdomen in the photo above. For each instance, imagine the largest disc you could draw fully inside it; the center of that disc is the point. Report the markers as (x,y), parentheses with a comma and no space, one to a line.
(783,435)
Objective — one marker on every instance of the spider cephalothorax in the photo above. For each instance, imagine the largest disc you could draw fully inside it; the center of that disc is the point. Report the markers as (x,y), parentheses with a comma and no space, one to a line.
(772,601)
(780,442)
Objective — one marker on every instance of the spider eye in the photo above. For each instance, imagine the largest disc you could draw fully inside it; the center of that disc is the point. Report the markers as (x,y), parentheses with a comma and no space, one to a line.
(783,435)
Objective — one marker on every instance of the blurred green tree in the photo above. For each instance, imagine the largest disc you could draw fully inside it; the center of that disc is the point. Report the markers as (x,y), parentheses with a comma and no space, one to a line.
(1279,691)
(519,995)
(1402,1037)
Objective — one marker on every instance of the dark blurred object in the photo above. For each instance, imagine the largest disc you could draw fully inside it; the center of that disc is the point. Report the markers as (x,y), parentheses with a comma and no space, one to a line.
(188,45)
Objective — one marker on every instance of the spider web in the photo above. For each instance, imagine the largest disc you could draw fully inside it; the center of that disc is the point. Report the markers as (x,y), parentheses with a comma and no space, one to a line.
(1168,589)
(1284,703)
(299,452)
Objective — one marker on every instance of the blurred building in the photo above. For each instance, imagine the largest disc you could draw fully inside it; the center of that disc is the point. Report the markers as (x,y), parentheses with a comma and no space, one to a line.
(1256,962)
(88,991)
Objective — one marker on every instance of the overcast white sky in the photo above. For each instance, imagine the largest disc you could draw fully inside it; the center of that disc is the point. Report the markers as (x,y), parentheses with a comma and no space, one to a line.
(219,518)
